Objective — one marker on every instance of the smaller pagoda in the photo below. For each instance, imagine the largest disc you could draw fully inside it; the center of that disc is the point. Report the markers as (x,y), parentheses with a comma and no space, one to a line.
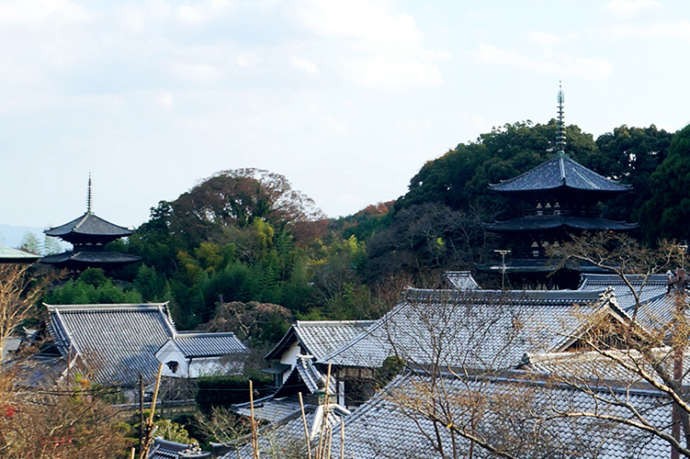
(555,199)
(88,235)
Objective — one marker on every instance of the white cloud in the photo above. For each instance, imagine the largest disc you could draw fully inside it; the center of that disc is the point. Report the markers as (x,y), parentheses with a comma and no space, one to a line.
(23,12)
(376,45)
(247,60)
(304,65)
(199,73)
(674,30)
(200,12)
(165,99)
(543,38)
(589,68)
(630,7)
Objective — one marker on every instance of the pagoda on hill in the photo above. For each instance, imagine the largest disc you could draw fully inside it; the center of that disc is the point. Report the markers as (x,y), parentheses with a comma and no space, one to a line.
(88,235)
(556,198)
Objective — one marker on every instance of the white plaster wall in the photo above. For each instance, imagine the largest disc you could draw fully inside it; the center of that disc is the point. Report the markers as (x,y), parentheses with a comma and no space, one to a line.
(214,366)
(289,357)
(170,352)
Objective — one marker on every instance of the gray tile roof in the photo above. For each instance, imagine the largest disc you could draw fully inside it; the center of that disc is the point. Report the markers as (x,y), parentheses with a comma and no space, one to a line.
(167,449)
(209,344)
(560,171)
(548,222)
(90,257)
(654,287)
(461,280)
(382,428)
(594,365)
(319,337)
(117,341)
(9,254)
(270,409)
(477,329)
(89,225)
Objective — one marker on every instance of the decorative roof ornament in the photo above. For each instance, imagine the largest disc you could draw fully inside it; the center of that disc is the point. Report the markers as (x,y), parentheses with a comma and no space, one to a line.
(89,196)
(560,136)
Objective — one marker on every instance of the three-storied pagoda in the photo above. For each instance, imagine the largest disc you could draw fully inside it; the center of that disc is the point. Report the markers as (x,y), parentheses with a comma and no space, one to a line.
(556,198)
(88,235)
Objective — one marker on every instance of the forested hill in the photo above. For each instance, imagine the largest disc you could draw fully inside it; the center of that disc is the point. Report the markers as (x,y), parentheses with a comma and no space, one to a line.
(246,236)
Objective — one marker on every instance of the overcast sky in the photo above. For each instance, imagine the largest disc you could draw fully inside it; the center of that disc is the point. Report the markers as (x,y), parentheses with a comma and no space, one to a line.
(347,99)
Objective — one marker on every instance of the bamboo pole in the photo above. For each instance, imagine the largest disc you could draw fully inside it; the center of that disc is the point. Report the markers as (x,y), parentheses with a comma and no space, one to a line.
(132,452)
(329,436)
(304,421)
(255,442)
(324,420)
(149,424)
(342,438)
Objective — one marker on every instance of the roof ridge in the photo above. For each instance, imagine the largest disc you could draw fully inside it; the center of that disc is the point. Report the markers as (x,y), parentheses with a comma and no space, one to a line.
(330,322)
(183,334)
(104,306)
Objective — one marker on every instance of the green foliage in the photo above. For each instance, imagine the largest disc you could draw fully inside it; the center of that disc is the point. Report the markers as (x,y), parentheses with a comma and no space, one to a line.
(92,286)
(667,212)
(228,390)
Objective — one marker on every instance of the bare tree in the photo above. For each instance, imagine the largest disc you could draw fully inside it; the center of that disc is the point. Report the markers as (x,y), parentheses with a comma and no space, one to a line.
(19,291)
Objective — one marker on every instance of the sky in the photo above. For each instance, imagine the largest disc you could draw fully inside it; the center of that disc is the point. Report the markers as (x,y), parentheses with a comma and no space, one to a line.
(347,99)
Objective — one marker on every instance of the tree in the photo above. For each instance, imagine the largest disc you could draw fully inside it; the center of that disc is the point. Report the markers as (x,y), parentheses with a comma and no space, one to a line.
(667,211)
(19,291)
(30,243)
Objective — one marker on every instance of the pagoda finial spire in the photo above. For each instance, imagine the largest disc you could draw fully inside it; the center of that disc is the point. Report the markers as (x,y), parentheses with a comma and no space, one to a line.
(89,196)
(560,136)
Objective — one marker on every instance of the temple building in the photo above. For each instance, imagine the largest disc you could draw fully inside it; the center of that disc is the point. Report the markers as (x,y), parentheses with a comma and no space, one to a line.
(88,235)
(556,198)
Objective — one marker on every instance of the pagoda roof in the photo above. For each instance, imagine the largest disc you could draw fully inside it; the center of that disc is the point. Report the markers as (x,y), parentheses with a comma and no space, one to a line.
(90,258)
(561,171)
(539,265)
(88,225)
(548,222)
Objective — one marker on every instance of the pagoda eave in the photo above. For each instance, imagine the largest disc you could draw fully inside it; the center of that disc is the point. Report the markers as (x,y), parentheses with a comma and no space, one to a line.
(549,223)
(85,258)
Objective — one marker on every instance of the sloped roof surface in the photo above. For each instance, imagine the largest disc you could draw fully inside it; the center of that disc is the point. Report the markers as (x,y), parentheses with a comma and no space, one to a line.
(380,428)
(319,337)
(594,365)
(90,257)
(270,409)
(209,344)
(546,222)
(654,286)
(461,280)
(117,341)
(7,253)
(477,329)
(91,225)
(559,171)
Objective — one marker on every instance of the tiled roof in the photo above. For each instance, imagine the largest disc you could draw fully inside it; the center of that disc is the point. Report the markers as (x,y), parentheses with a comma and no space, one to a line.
(659,311)
(594,365)
(547,222)
(655,286)
(9,254)
(560,171)
(270,409)
(382,428)
(319,337)
(285,438)
(167,449)
(461,280)
(89,225)
(208,344)
(90,257)
(477,329)
(117,341)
